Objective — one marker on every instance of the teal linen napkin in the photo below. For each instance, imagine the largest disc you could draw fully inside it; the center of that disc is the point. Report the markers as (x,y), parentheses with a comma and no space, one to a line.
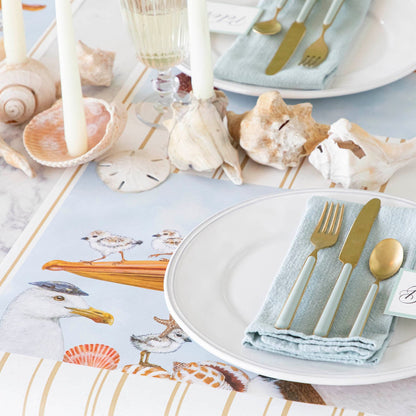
(248,57)
(391,222)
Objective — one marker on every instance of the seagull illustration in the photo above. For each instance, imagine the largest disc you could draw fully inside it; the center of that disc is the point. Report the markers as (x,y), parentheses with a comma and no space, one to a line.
(169,340)
(30,325)
(107,243)
(166,242)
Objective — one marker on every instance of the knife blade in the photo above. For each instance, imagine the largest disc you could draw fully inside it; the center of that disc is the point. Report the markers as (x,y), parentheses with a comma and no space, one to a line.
(291,40)
(349,255)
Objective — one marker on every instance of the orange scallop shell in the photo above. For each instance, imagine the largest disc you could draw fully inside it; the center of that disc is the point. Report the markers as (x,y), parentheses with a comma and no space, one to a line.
(153,371)
(93,355)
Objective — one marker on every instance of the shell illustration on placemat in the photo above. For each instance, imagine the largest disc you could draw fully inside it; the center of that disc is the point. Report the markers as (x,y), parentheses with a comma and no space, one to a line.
(93,355)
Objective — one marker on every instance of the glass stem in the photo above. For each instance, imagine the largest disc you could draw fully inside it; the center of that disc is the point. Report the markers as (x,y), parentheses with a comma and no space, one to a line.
(166,85)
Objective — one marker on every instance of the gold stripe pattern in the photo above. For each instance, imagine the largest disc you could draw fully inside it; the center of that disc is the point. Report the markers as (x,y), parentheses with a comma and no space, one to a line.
(45,217)
(47,388)
(150,134)
(182,398)
(286,409)
(29,386)
(282,183)
(360,414)
(334,411)
(341,412)
(87,405)
(98,392)
(3,360)
(134,86)
(228,403)
(296,173)
(266,409)
(116,394)
(171,398)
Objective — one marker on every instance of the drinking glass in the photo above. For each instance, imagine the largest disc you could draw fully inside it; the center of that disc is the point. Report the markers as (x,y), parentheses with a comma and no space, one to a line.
(159,30)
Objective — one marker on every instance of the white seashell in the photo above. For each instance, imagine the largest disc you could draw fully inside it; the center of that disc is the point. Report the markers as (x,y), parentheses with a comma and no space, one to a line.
(276,134)
(235,377)
(200,141)
(95,65)
(133,170)
(44,137)
(146,370)
(15,159)
(353,158)
(25,90)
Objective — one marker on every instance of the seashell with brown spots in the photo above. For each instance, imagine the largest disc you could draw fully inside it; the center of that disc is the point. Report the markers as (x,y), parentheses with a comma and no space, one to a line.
(146,370)
(200,374)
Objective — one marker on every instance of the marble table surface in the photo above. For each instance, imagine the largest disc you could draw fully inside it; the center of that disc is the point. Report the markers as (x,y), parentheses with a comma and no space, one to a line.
(387,111)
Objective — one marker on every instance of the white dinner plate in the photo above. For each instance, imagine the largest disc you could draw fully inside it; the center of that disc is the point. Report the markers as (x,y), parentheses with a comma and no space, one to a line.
(218,279)
(383,52)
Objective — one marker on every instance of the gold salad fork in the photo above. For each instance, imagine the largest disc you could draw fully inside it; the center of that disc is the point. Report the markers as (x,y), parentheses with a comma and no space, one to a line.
(325,235)
(316,53)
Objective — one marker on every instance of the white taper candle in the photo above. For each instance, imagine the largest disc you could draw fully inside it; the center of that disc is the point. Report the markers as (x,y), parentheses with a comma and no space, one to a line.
(200,50)
(14,32)
(74,116)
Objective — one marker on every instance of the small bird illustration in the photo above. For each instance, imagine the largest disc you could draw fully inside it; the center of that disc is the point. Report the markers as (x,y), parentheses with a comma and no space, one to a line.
(170,340)
(107,243)
(31,323)
(166,242)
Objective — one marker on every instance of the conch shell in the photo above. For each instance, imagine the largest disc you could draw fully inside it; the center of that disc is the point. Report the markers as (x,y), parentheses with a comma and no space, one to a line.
(353,158)
(199,139)
(95,65)
(276,134)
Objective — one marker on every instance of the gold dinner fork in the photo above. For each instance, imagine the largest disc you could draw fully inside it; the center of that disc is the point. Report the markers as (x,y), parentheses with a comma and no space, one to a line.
(325,235)
(316,53)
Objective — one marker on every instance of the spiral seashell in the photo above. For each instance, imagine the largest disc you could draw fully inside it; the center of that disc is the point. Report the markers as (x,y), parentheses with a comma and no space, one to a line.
(146,370)
(25,90)
(93,355)
(235,377)
(200,374)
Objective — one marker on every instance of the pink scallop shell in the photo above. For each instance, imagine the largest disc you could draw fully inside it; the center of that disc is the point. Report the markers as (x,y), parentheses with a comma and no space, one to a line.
(93,355)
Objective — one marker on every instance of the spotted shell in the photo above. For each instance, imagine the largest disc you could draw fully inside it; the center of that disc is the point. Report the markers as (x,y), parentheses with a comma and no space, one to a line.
(200,374)
(141,370)
(236,378)
(93,355)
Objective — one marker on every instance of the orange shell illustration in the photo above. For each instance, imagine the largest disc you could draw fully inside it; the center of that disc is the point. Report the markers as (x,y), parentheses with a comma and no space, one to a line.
(236,378)
(200,374)
(93,355)
(141,370)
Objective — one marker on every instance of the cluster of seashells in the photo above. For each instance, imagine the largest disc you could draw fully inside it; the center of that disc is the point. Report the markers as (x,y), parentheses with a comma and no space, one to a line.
(28,92)
(280,135)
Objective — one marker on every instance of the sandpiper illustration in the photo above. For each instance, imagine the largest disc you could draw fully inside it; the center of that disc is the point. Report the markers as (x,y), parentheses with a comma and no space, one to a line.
(170,340)
(166,242)
(107,243)
(30,325)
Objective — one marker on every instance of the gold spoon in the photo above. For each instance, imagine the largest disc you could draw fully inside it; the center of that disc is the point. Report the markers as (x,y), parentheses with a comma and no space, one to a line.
(272,26)
(385,260)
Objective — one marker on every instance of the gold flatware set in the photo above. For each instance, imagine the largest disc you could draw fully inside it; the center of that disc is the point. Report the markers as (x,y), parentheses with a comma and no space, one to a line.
(315,54)
(384,262)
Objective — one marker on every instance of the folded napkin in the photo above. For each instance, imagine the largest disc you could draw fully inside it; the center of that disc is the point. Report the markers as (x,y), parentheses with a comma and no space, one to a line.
(391,222)
(249,56)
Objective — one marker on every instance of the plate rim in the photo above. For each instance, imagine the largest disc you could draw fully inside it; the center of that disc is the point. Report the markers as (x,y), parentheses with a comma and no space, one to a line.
(250,364)
(255,90)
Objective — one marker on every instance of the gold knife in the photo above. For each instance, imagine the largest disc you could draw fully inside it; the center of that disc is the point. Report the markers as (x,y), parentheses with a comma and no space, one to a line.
(350,254)
(291,40)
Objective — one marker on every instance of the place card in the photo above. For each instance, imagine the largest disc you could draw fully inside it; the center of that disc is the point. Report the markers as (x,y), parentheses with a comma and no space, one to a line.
(231,19)
(402,300)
